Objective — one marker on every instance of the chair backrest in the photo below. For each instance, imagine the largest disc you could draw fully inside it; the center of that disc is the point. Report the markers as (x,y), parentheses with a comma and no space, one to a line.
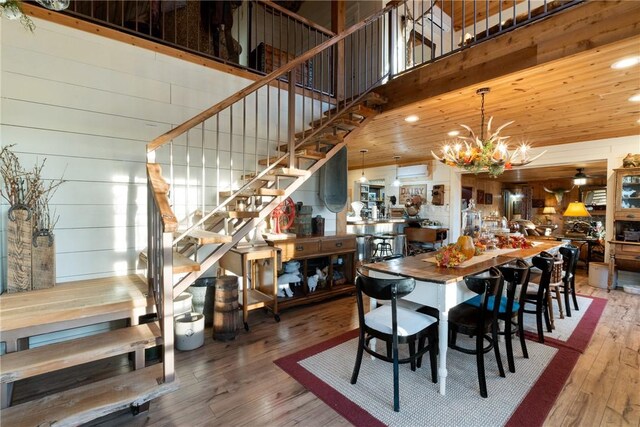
(570,254)
(383,289)
(487,285)
(545,264)
(515,274)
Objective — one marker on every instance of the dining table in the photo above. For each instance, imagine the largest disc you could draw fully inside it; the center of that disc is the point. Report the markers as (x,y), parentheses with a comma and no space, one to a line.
(443,287)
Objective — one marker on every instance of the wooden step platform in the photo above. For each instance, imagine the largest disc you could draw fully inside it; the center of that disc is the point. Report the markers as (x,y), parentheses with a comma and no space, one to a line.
(252,192)
(238,214)
(323,140)
(74,303)
(300,154)
(290,172)
(86,403)
(343,123)
(28,363)
(203,237)
(181,264)
(358,110)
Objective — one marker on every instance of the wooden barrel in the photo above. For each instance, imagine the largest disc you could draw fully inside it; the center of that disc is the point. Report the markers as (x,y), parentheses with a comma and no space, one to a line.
(225,308)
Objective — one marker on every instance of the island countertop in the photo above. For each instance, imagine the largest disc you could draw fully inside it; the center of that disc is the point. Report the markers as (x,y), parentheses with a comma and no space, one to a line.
(419,269)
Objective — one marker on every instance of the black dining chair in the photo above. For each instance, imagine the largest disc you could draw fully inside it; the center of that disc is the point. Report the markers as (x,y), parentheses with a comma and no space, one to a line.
(570,254)
(516,276)
(394,325)
(479,322)
(536,294)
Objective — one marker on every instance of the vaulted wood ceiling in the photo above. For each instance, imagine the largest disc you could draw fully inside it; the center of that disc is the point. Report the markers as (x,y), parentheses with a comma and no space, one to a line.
(553,79)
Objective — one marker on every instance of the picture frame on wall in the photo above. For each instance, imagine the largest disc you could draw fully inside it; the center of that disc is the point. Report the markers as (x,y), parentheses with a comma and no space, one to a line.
(480,199)
(488,198)
(537,203)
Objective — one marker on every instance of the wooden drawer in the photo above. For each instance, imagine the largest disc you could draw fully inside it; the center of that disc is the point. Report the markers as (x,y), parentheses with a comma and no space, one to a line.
(627,250)
(328,246)
(293,250)
(627,215)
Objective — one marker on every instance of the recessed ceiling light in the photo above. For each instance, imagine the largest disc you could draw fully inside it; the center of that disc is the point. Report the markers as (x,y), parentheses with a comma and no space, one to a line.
(635,98)
(454,133)
(626,63)
(412,118)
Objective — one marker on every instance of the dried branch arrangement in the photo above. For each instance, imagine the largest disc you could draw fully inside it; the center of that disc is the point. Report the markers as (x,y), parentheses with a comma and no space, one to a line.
(27,190)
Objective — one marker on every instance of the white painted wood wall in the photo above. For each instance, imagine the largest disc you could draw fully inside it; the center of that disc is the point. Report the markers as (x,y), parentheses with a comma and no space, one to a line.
(89,105)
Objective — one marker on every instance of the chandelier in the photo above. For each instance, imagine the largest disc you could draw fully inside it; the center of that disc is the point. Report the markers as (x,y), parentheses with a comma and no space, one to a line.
(479,154)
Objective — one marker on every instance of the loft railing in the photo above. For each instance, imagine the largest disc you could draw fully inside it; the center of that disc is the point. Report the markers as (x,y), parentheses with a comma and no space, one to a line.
(431,29)
(257,35)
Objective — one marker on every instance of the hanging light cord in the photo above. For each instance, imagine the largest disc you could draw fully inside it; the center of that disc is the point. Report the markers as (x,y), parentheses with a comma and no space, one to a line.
(482,116)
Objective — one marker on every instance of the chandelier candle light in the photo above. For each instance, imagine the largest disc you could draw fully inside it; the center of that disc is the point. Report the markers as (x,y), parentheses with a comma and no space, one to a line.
(477,154)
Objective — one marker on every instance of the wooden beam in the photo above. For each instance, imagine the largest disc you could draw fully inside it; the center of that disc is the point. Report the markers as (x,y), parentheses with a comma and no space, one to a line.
(338,19)
(576,30)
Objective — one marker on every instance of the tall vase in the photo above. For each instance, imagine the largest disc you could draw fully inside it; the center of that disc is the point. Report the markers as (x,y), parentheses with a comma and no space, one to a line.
(19,249)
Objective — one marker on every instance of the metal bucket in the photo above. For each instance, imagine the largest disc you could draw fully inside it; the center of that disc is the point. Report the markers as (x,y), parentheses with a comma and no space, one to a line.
(364,247)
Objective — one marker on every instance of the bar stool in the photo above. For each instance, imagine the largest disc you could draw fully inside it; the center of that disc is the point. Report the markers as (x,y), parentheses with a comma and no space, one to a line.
(384,247)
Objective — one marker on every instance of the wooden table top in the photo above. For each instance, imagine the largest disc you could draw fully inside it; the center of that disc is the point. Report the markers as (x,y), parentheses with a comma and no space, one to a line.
(417,268)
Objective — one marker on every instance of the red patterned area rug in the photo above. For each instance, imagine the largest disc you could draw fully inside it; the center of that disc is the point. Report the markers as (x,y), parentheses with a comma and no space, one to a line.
(522,398)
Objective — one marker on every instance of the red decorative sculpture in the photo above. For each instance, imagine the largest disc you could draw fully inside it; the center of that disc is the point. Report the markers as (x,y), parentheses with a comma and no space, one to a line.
(283,215)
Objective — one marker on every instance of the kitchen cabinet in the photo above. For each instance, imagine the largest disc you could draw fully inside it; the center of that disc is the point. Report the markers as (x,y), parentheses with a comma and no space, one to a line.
(624,249)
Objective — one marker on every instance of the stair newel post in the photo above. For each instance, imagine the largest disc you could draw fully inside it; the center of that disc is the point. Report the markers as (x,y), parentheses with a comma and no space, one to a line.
(166,322)
(292,118)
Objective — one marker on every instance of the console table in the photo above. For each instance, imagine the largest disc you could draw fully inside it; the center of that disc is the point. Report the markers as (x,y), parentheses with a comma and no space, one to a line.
(332,252)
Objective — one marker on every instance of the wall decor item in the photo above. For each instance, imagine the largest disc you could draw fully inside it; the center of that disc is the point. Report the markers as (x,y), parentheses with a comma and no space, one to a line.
(631,161)
(30,226)
(480,198)
(537,203)
(488,199)
(437,195)
(408,192)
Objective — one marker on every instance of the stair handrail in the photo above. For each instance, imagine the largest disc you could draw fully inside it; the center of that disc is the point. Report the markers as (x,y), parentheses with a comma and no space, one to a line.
(220,106)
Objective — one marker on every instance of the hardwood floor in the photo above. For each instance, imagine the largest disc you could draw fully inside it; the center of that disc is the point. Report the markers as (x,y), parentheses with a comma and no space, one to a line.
(237,383)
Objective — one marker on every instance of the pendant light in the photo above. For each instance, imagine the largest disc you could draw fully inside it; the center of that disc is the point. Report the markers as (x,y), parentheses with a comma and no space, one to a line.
(396,182)
(580,178)
(363,179)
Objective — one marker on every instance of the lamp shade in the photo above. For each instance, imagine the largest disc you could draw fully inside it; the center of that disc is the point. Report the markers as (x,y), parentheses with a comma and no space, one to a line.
(576,209)
(549,210)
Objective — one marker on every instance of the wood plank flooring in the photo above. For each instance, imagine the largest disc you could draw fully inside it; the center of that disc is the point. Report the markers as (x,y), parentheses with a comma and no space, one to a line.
(236,383)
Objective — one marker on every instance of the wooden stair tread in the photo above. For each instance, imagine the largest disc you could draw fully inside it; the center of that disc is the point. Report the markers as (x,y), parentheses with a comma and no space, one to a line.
(86,403)
(72,301)
(301,154)
(203,237)
(181,263)
(238,214)
(359,110)
(289,172)
(373,98)
(325,139)
(250,176)
(343,123)
(263,191)
(28,363)
(327,130)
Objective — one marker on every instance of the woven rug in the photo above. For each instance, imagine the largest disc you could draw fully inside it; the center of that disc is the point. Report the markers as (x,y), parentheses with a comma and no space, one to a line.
(522,398)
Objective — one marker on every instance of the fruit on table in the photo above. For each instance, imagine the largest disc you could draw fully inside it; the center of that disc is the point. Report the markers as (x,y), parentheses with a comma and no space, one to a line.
(466,246)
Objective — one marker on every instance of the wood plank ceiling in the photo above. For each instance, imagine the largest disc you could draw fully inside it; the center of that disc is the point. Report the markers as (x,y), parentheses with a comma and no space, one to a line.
(572,99)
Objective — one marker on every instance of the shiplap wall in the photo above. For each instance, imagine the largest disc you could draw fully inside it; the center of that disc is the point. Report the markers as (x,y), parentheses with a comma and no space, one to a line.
(89,105)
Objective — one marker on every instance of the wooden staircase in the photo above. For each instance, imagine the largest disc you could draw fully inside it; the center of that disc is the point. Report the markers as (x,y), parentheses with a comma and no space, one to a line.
(71,305)
(262,193)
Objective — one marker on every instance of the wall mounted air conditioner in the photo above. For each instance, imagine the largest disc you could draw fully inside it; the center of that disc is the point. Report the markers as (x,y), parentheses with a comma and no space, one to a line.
(414,171)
